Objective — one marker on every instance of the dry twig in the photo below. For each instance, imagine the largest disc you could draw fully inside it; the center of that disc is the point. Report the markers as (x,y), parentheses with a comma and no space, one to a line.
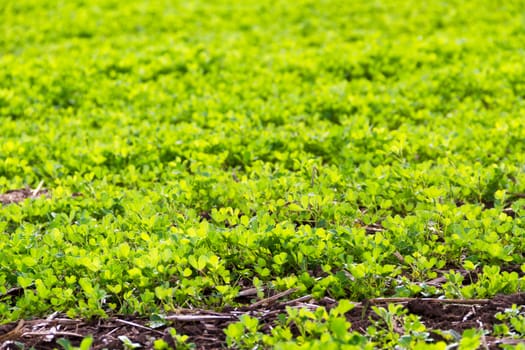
(430,300)
(14,333)
(272,299)
(197,318)
(133,324)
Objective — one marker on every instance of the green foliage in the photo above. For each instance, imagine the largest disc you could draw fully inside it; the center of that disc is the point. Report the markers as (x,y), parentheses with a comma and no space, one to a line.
(85,344)
(348,149)
(513,322)
(180,341)
(319,329)
(315,329)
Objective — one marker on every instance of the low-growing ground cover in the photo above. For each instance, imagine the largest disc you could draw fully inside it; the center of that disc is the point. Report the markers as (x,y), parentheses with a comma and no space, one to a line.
(256,174)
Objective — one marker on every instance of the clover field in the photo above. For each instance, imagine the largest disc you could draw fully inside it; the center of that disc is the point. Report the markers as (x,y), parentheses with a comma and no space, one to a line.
(262,174)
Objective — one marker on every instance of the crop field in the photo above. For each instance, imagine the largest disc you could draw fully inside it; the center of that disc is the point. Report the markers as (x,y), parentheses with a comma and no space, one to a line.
(306,174)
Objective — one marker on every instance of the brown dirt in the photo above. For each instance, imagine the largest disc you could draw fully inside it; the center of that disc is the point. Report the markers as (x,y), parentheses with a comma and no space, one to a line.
(19,195)
(459,316)
(206,328)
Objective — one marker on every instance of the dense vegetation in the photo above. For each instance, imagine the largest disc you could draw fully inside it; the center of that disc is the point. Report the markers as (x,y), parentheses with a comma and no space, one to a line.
(194,149)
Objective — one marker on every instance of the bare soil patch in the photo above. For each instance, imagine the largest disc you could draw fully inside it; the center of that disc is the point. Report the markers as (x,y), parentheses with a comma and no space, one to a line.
(19,195)
(206,328)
